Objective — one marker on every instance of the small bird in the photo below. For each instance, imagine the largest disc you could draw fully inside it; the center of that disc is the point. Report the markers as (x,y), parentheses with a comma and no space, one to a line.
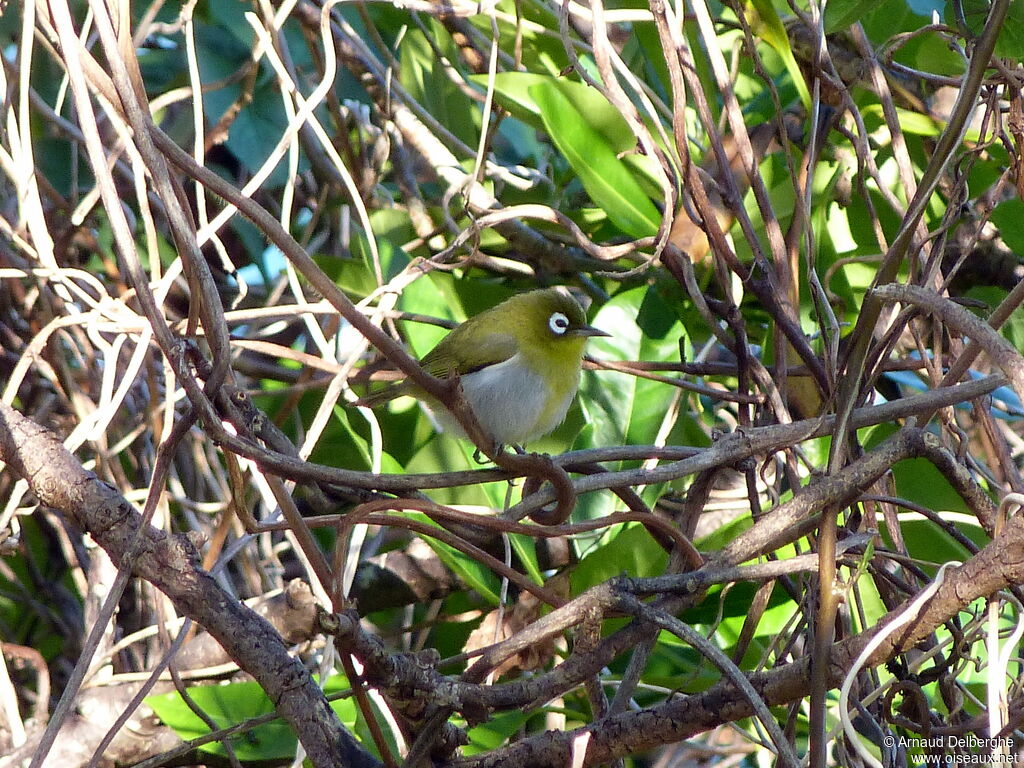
(518,364)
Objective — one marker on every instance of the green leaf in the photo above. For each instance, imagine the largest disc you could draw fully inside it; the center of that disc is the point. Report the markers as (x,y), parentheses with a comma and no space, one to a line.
(933,54)
(525,548)
(447,452)
(1010,43)
(341,446)
(626,549)
(918,480)
(355,274)
(492,734)
(910,122)
(728,601)
(840,14)
(352,718)
(622,407)
(474,574)
(921,482)
(888,17)
(432,295)
(721,536)
(1013,328)
(927,542)
(514,91)
(643,55)
(228,705)
(608,180)
(1009,217)
(767,24)
(423,75)
(221,51)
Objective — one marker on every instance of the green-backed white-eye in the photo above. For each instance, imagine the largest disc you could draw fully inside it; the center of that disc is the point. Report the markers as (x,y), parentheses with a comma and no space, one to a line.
(518,364)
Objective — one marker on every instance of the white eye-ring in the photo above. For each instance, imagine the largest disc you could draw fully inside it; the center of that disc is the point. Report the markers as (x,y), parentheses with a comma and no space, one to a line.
(558,323)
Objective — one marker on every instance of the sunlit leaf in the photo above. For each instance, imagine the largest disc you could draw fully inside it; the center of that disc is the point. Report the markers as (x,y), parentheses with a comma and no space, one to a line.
(605,177)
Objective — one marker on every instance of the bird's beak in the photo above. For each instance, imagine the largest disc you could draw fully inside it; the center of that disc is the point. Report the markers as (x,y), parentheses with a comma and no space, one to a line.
(589,330)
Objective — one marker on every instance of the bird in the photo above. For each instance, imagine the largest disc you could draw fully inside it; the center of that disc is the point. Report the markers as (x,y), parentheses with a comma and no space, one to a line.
(518,364)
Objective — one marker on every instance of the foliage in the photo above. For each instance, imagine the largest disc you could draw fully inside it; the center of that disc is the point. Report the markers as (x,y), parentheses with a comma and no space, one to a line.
(724,190)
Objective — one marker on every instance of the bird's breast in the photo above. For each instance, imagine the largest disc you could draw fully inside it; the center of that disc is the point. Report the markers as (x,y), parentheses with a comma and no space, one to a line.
(514,402)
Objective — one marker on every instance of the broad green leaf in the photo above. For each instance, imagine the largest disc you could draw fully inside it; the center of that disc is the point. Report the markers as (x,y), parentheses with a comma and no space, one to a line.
(888,17)
(678,667)
(263,117)
(343,446)
(910,122)
(646,171)
(228,705)
(622,408)
(721,536)
(447,453)
(626,550)
(645,328)
(544,52)
(840,14)
(392,228)
(608,181)
(355,273)
(642,54)
(1009,217)
(353,718)
(472,573)
(511,91)
(475,296)
(732,600)
(498,730)
(1013,328)
(933,54)
(767,24)
(432,295)
(610,396)
(423,75)
(918,480)
(927,542)
(777,178)
(525,548)
(514,91)
(1010,43)
(222,50)
(345,708)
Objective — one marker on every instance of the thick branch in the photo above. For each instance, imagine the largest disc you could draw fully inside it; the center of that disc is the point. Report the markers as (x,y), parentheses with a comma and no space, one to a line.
(171,563)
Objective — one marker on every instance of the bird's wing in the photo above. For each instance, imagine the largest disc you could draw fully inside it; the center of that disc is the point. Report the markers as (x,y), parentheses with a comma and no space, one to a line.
(475,350)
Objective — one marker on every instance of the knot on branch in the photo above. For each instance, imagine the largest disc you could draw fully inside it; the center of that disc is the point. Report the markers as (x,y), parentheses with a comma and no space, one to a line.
(339,625)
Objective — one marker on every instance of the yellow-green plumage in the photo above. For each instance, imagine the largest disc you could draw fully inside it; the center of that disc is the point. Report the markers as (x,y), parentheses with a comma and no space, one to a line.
(518,363)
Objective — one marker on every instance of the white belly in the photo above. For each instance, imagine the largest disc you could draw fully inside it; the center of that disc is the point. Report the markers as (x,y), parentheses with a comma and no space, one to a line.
(509,401)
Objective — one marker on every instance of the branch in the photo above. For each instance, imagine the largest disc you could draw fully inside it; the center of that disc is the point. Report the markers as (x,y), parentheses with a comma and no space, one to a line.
(171,564)
(998,566)
(963,321)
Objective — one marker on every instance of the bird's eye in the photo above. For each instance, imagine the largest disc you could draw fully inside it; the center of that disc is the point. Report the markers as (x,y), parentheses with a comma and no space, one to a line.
(558,323)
